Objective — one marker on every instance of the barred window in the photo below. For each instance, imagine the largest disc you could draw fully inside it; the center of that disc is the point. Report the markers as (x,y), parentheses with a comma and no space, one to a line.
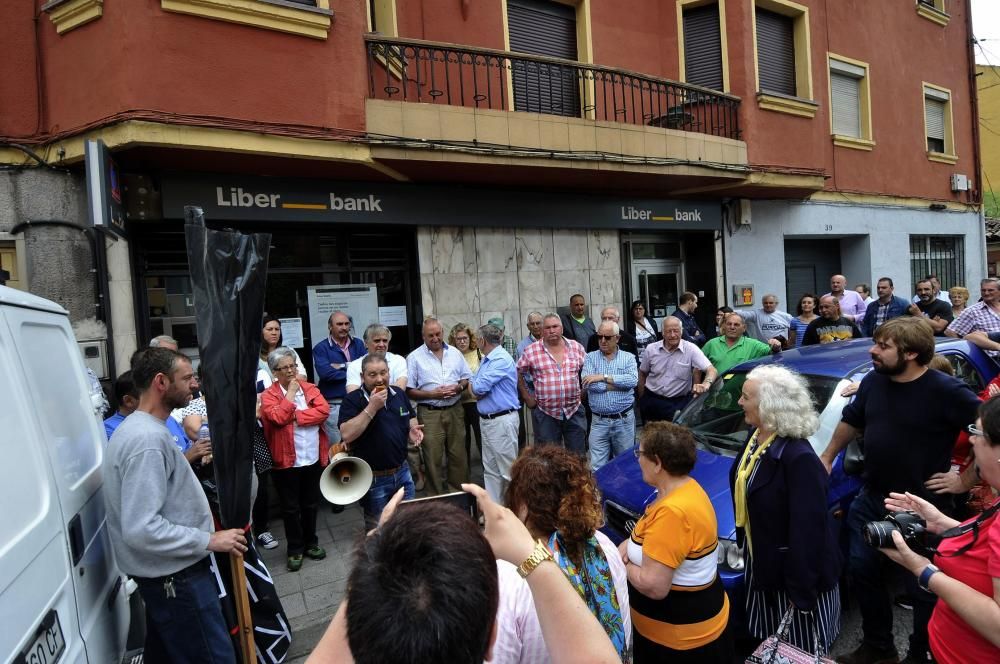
(943,255)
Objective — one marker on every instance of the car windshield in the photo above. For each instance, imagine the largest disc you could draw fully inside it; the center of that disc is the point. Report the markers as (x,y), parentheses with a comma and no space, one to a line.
(716,417)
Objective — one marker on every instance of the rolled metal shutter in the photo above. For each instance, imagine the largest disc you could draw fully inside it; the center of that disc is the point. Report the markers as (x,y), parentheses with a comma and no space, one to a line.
(845,102)
(703,47)
(934,116)
(544,28)
(775,52)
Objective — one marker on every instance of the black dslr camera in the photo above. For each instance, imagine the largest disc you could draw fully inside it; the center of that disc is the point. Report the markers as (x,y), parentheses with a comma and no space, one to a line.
(878,534)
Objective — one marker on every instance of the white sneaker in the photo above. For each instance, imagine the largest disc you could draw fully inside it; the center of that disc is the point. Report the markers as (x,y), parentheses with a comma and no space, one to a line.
(266,540)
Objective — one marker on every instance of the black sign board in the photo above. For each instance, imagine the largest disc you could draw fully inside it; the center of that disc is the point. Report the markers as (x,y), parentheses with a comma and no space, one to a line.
(248,198)
(104,188)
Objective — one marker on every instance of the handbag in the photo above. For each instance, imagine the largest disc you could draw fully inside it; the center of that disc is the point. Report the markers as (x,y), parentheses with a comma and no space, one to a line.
(776,649)
(262,460)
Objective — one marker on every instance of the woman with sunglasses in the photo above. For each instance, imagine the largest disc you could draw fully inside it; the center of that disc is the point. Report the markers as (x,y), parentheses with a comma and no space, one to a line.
(965,575)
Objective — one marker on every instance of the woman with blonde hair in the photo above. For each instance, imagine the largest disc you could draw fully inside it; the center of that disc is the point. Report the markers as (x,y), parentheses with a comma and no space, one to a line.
(779,489)
(463,338)
(959,296)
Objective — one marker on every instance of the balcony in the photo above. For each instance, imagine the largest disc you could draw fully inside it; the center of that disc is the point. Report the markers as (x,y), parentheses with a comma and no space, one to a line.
(546,121)
(428,72)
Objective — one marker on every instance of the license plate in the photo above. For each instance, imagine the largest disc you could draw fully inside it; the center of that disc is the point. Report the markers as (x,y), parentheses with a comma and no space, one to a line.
(48,645)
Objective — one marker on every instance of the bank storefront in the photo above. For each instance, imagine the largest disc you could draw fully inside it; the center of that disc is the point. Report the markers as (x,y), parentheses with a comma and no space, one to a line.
(460,253)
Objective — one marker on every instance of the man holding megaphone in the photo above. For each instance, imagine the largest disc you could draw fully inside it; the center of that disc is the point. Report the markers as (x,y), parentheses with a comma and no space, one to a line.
(376,423)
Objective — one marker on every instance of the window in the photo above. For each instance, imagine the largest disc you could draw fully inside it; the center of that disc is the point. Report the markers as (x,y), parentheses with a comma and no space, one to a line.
(938,124)
(546,28)
(850,103)
(308,18)
(934,11)
(943,255)
(382,17)
(702,44)
(783,65)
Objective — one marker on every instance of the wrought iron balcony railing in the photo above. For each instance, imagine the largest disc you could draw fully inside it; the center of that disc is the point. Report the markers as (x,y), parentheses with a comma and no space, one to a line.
(421,71)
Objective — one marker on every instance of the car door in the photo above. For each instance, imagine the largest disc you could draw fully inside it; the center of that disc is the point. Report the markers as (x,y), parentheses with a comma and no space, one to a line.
(54,386)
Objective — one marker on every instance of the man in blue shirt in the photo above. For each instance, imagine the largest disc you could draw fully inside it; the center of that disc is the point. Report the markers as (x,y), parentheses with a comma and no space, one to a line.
(377,423)
(685,314)
(609,376)
(886,307)
(128,400)
(495,385)
(330,359)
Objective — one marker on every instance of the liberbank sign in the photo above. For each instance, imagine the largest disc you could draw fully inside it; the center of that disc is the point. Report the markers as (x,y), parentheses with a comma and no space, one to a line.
(246,198)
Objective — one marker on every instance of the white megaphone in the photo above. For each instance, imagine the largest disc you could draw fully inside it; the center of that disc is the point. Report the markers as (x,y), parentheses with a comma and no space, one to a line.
(346,479)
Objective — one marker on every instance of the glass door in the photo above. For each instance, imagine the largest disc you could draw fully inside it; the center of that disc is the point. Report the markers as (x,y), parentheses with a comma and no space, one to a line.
(659,284)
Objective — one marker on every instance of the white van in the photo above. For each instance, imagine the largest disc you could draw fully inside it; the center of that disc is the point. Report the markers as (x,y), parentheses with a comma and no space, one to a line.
(62,597)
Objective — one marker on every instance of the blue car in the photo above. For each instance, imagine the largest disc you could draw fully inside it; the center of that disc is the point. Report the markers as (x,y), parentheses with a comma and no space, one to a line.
(720,430)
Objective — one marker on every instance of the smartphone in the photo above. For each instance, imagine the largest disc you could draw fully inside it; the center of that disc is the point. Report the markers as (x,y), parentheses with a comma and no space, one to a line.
(460,499)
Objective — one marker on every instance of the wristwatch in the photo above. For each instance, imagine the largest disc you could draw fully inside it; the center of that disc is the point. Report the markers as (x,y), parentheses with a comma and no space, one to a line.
(538,555)
(606,377)
(924,580)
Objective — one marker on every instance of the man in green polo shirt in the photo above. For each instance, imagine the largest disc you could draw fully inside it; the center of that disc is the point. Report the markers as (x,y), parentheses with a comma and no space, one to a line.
(732,348)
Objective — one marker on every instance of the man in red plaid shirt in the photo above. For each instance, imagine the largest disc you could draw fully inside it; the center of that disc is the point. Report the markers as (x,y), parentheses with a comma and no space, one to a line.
(554,364)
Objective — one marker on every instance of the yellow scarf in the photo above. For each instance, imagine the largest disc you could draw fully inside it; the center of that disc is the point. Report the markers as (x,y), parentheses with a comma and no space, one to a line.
(748,462)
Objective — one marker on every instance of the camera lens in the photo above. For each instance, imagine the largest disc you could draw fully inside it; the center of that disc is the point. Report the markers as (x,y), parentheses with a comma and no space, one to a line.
(878,534)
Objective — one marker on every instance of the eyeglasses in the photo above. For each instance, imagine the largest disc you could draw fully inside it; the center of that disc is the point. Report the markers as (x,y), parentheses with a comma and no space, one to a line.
(285,368)
(973,431)
(607,337)
(638,452)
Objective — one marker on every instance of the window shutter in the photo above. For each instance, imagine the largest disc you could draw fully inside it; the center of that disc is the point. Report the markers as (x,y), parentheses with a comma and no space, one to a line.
(934,115)
(544,28)
(703,47)
(775,52)
(845,100)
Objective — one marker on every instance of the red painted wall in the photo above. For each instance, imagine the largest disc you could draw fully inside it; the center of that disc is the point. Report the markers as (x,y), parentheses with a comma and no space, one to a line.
(139,57)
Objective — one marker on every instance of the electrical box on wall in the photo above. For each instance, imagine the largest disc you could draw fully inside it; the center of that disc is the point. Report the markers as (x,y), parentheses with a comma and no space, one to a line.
(742,295)
(959,182)
(744,212)
(95,356)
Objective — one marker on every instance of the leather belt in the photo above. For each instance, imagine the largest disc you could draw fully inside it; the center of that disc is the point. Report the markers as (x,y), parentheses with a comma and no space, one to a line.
(616,416)
(427,405)
(497,414)
(386,473)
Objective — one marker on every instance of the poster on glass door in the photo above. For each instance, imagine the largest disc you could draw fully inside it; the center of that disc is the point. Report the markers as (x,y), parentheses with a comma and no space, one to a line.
(358,301)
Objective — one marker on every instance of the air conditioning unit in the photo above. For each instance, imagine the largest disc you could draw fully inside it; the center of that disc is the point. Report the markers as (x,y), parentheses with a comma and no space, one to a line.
(95,356)
(959,182)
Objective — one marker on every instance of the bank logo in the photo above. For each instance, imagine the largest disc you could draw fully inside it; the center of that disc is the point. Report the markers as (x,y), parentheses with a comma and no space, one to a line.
(630,213)
(237,197)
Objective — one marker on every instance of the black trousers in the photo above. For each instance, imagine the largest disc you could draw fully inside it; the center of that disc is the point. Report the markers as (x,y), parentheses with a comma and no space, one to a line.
(298,489)
(259,514)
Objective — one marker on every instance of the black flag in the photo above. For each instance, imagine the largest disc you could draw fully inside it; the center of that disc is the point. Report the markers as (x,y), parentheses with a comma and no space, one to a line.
(228,274)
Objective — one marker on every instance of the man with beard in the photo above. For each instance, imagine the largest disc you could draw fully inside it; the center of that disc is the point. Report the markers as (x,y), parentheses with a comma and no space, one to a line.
(885,307)
(159,521)
(903,448)
(936,312)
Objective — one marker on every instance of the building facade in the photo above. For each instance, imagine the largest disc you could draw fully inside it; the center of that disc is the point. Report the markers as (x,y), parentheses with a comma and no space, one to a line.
(475,159)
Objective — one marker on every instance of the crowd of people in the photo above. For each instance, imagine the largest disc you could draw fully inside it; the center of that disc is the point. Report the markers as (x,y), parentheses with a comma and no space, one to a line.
(587,391)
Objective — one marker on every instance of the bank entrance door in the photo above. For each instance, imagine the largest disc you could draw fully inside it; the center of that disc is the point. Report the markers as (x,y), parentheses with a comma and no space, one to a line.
(658,283)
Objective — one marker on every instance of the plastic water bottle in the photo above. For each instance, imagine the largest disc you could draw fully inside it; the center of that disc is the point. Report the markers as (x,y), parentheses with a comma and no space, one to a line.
(203,432)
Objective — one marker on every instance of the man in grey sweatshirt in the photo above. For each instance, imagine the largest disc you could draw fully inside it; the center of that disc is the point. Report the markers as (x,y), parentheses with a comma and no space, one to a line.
(159,520)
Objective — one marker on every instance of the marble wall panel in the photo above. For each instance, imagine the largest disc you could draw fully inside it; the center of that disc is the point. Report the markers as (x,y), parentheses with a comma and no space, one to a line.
(604,250)
(570,249)
(495,250)
(605,286)
(448,250)
(455,294)
(537,290)
(498,291)
(569,283)
(425,249)
(534,249)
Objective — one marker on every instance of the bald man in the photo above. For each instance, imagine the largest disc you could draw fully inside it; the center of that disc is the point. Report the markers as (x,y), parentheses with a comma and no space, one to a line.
(852,305)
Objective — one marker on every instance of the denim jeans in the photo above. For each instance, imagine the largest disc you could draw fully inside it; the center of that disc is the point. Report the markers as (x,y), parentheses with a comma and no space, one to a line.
(571,432)
(868,575)
(331,426)
(609,437)
(188,627)
(383,488)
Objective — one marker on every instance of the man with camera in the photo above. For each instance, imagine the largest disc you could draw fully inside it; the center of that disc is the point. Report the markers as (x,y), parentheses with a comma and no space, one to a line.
(910,416)
(376,423)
